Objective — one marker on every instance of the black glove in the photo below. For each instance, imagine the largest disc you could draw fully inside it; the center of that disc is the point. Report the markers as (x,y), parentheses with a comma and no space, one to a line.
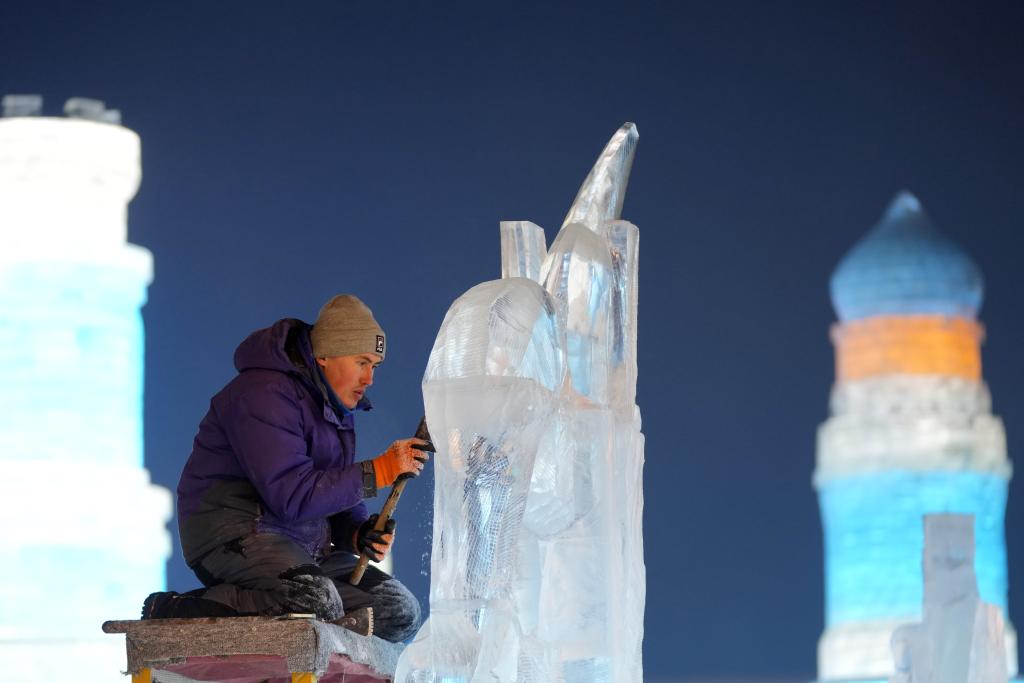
(367,536)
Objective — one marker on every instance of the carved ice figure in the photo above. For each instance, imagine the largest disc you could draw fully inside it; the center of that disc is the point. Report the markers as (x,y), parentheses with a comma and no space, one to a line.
(960,638)
(537,569)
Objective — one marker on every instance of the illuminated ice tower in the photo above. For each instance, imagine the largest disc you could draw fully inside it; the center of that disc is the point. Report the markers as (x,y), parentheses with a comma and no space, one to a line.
(82,529)
(911,432)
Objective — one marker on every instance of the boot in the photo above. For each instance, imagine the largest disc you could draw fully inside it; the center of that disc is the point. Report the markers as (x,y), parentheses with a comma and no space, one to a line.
(171,605)
(358,621)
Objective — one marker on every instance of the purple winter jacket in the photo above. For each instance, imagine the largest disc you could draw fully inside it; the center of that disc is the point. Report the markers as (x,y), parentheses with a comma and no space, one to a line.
(272,455)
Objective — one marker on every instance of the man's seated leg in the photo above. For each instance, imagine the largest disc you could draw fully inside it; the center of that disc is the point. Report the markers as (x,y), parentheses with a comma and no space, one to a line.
(396,611)
(266,574)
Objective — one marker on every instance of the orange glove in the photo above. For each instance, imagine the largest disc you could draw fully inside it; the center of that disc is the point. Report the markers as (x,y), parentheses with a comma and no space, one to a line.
(400,458)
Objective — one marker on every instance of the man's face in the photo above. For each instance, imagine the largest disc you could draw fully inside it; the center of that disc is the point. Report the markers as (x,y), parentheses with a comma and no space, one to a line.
(350,375)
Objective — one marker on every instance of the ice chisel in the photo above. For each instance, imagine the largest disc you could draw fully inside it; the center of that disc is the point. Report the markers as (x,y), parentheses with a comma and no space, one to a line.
(392,501)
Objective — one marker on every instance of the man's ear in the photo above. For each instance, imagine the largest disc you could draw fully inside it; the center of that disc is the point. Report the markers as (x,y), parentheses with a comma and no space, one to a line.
(322,362)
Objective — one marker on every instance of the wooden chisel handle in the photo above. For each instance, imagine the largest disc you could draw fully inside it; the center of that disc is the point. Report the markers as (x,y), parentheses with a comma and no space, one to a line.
(382,520)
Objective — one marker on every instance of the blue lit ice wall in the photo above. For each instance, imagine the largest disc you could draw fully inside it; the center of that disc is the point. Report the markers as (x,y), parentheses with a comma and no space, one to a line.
(72,342)
(875,521)
(71,345)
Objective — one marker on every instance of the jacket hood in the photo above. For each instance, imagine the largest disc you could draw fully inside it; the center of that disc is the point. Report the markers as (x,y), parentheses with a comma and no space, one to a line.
(268,349)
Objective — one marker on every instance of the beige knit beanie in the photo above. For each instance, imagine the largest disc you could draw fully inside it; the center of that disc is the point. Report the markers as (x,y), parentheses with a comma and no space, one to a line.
(345,327)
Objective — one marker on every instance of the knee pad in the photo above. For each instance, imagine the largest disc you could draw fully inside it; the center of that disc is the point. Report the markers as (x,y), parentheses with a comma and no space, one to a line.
(396,611)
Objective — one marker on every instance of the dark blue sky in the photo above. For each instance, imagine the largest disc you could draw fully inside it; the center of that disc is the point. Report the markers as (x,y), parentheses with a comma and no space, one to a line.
(295,150)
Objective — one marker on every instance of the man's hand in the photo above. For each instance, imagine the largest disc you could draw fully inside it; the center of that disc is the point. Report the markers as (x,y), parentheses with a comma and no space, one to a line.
(375,544)
(407,456)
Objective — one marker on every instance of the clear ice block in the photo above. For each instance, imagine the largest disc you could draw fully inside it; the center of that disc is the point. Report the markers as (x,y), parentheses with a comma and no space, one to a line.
(960,638)
(523,249)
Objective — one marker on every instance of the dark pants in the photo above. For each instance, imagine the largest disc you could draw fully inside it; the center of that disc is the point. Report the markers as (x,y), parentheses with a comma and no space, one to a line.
(247,576)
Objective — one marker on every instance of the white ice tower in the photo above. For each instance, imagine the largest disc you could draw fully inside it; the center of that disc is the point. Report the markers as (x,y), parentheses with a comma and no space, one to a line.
(82,530)
(537,572)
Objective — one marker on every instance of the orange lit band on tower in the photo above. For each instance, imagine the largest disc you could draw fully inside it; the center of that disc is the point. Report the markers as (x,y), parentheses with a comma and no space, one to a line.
(911,345)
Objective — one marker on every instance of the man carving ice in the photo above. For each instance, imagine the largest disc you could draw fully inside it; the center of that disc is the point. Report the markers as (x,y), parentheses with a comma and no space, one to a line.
(270,502)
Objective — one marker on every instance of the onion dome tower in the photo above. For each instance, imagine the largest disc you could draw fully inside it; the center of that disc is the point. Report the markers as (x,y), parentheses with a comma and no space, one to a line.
(910,432)
(82,529)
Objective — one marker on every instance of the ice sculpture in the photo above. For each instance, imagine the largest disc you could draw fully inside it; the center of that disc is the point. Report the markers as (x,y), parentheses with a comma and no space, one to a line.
(911,432)
(537,564)
(82,536)
(960,638)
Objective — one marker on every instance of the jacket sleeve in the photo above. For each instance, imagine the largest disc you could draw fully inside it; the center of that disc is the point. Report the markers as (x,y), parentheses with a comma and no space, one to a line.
(264,428)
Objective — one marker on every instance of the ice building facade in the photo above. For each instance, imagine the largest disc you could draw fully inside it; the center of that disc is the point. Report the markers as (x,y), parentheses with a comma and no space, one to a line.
(82,529)
(911,432)
(537,570)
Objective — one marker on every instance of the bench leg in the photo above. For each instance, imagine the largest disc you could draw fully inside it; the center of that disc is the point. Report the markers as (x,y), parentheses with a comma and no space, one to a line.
(144,676)
(303,677)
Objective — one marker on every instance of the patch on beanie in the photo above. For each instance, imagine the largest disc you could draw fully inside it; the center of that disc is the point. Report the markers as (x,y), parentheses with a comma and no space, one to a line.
(380,343)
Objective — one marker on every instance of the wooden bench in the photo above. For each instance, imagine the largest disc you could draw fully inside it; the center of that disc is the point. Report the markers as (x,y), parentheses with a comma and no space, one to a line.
(251,650)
